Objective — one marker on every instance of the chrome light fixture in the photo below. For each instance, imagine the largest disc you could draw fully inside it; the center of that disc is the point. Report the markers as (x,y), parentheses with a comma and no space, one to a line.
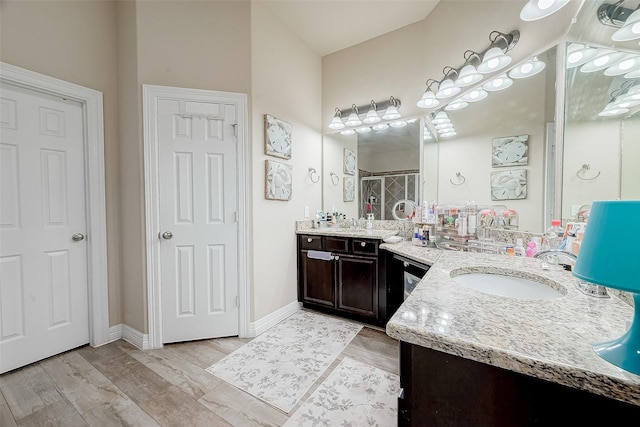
(578,54)
(443,124)
(371,120)
(496,58)
(372,115)
(616,15)
(392,110)
(469,74)
(472,71)
(336,122)
(538,9)
(623,99)
(428,99)
(527,69)
(626,65)
(604,58)
(447,88)
(353,119)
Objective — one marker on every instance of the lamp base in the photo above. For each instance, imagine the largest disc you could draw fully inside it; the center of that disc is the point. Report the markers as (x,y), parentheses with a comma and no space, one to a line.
(624,352)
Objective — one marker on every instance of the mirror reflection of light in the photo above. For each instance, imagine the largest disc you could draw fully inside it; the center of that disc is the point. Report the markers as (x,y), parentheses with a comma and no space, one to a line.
(348,132)
(363,129)
(603,59)
(398,124)
(380,126)
(448,134)
(475,95)
(456,105)
(409,315)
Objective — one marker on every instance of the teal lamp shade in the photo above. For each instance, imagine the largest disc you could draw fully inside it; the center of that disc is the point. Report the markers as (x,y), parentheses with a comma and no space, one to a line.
(609,257)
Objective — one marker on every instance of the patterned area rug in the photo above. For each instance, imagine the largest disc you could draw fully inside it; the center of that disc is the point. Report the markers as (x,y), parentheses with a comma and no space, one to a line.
(280,365)
(354,394)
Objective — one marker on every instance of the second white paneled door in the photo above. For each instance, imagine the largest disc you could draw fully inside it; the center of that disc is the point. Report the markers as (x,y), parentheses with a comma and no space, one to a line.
(43,253)
(198,217)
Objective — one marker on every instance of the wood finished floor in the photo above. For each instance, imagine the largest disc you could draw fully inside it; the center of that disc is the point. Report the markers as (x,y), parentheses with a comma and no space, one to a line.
(118,384)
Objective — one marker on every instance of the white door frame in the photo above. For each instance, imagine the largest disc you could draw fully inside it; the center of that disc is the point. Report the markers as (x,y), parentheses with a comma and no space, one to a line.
(91,101)
(150,95)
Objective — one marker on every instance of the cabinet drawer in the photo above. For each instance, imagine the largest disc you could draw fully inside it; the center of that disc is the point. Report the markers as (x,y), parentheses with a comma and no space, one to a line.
(311,242)
(364,246)
(336,244)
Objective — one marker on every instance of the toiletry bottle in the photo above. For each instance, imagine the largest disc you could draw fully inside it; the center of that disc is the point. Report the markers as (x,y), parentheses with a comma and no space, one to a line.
(519,250)
(510,250)
(575,248)
(531,249)
(553,235)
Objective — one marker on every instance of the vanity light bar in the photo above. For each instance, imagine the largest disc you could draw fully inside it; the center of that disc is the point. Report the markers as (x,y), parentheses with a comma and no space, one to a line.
(371,116)
(627,20)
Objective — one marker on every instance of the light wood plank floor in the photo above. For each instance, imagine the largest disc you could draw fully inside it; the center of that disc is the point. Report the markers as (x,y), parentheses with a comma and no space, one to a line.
(118,384)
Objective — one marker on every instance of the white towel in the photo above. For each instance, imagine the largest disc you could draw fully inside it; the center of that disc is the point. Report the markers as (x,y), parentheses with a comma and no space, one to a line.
(325,256)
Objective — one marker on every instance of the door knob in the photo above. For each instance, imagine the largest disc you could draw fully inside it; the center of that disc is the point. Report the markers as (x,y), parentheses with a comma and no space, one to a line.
(77,237)
(167,235)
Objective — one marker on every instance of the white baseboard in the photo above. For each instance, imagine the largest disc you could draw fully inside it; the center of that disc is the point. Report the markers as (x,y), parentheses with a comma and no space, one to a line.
(130,335)
(115,332)
(272,319)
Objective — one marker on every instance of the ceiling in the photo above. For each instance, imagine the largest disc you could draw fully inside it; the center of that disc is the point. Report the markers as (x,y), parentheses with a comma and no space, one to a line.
(328,26)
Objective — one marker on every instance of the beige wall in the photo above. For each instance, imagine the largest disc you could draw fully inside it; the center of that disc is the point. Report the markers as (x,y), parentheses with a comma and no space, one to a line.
(191,44)
(76,42)
(598,144)
(286,83)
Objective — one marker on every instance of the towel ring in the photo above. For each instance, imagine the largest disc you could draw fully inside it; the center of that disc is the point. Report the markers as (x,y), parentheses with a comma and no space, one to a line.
(584,169)
(460,177)
(314,176)
(335,179)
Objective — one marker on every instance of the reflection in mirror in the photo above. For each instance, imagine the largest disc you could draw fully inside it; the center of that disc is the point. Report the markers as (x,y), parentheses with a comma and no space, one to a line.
(388,170)
(601,145)
(523,111)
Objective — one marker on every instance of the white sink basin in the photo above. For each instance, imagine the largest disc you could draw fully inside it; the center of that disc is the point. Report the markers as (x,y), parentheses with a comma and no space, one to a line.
(507,286)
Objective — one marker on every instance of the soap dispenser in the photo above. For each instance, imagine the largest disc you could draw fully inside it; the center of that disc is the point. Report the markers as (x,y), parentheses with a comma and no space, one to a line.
(519,248)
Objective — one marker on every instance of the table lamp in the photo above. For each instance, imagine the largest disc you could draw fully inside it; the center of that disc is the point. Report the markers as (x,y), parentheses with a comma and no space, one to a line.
(610,256)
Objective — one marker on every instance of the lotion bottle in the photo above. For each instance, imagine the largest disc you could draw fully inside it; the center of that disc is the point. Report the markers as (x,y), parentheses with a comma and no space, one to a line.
(519,250)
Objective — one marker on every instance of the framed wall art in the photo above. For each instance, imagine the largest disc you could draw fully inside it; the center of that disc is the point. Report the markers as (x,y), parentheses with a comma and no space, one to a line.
(277,137)
(348,189)
(510,151)
(509,185)
(349,161)
(277,181)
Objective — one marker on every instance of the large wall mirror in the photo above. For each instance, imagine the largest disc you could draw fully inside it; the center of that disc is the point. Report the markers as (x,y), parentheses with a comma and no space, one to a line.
(387,170)
(460,168)
(601,158)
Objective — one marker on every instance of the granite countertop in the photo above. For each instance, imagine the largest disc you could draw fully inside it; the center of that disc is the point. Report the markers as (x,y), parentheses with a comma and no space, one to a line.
(548,339)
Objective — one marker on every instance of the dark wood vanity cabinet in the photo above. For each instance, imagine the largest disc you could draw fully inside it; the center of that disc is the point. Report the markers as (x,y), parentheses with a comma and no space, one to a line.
(349,283)
(440,389)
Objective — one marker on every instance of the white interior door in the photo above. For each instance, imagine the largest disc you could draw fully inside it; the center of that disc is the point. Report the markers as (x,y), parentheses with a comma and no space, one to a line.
(43,254)
(198,202)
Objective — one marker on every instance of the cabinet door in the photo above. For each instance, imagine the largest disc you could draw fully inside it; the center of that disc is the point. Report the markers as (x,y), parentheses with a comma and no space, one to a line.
(358,285)
(317,280)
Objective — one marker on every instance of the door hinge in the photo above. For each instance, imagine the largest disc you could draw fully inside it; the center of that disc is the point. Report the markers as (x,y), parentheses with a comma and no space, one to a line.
(237,300)
(235,129)
(236,216)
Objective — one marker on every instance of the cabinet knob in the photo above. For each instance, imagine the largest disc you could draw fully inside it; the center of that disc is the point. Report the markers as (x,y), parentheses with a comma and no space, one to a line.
(363,244)
(309,240)
(336,257)
(405,264)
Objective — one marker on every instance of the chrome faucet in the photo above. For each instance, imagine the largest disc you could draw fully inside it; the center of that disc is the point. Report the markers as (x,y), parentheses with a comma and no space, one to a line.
(354,224)
(554,256)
